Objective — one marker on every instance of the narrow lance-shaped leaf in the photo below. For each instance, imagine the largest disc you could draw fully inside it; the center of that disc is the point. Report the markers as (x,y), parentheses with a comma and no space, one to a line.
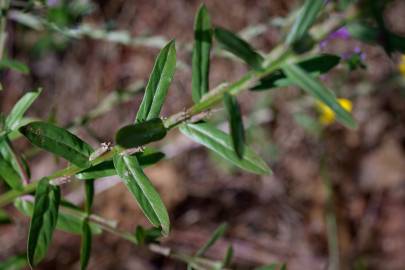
(66,221)
(8,173)
(236,124)
(201,54)
(218,233)
(14,65)
(85,248)
(140,134)
(315,88)
(139,185)
(43,222)
(58,141)
(17,112)
(237,46)
(106,168)
(315,66)
(89,195)
(306,17)
(158,84)
(219,142)
(14,263)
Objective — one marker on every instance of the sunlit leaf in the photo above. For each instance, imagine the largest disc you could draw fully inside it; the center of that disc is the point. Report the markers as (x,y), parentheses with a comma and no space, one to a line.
(43,222)
(58,141)
(141,133)
(234,44)
(236,124)
(16,114)
(220,142)
(315,88)
(139,185)
(201,54)
(158,84)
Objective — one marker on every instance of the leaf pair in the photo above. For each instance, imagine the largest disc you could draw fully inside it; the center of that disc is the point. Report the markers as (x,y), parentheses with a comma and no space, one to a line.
(219,142)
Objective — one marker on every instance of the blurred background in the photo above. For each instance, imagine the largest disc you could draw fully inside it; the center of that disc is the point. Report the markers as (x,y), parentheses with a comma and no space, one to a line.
(337,196)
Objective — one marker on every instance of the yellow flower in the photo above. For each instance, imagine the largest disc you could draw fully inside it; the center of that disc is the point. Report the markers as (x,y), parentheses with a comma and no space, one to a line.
(401,65)
(327,116)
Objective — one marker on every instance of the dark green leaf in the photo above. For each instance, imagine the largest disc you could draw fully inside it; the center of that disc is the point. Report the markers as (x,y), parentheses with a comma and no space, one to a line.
(158,84)
(89,195)
(201,53)
(145,236)
(43,222)
(220,143)
(58,141)
(140,186)
(236,124)
(8,173)
(14,263)
(14,65)
(66,222)
(140,134)
(4,218)
(316,66)
(306,17)
(218,233)
(85,248)
(107,168)
(315,88)
(234,44)
(228,256)
(16,114)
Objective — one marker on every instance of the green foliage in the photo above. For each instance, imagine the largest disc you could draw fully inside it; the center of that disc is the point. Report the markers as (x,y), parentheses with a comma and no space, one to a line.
(158,84)
(16,114)
(43,222)
(220,142)
(58,141)
(201,54)
(139,185)
(14,65)
(236,124)
(85,245)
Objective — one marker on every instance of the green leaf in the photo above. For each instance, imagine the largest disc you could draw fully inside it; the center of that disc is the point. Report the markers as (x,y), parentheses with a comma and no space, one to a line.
(16,114)
(140,186)
(43,222)
(272,266)
(107,168)
(201,54)
(306,17)
(228,256)
(140,134)
(219,142)
(315,88)
(66,222)
(316,66)
(237,46)
(236,124)
(363,32)
(145,236)
(158,84)
(218,233)
(4,218)
(8,173)
(89,195)
(14,65)
(58,141)
(85,248)
(14,263)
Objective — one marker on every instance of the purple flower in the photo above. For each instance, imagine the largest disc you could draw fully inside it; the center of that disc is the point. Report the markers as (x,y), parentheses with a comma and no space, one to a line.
(341,33)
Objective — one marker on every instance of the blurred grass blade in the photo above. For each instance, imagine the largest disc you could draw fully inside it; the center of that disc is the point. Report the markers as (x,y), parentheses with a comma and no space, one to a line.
(89,195)
(158,84)
(107,168)
(218,233)
(201,53)
(141,133)
(306,17)
(16,114)
(315,88)
(315,66)
(234,44)
(228,256)
(236,124)
(66,222)
(9,175)
(272,266)
(43,222)
(14,65)
(85,248)
(219,142)
(139,185)
(14,263)
(58,141)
